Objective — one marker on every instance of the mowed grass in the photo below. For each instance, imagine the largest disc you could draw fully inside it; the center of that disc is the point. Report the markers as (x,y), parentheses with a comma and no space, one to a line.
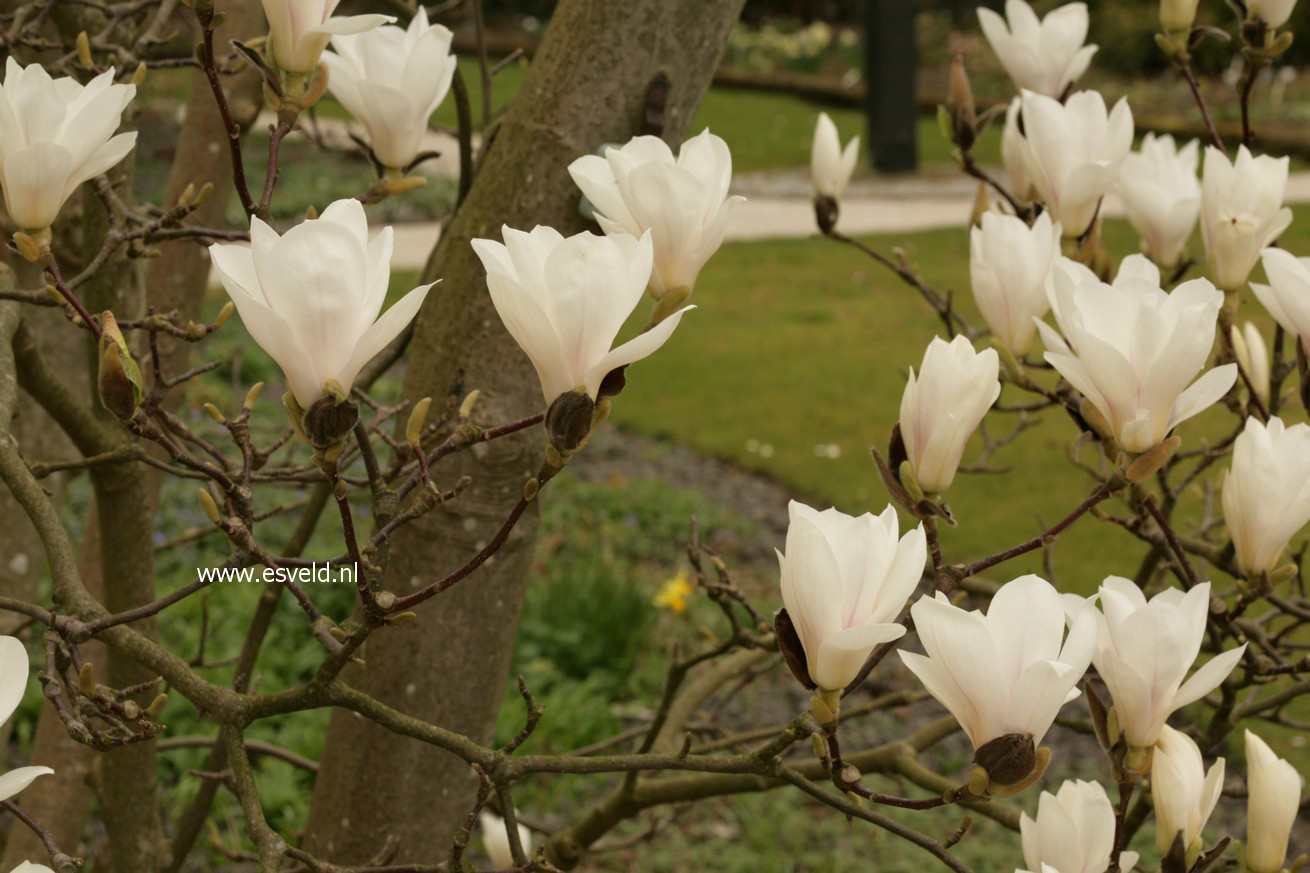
(799,346)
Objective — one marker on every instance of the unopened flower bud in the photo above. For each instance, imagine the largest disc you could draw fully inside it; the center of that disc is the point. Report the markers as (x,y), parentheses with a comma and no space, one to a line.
(831,167)
(156,705)
(139,74)
(214,413)
(964,116)
(118,380)
(252,395)
(86,678)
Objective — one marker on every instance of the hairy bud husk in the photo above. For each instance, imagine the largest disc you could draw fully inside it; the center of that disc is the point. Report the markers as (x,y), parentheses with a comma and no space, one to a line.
(789,643)
(329,421)
(826,212)
(569,420)
(1008,759)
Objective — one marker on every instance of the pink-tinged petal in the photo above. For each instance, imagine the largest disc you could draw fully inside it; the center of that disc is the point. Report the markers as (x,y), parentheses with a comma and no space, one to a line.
(1209,677)
(641,346)
(383,331)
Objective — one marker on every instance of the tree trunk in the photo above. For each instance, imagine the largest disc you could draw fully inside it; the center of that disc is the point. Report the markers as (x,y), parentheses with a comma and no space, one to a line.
(587,85)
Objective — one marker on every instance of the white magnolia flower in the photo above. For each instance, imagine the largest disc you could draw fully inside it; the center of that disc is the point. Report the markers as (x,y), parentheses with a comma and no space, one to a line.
(1272,12)
(1073,151)
(1009,671)
(1266,494)
(943,405)
(54,135)
(1287,296)
(1013,149)
(1242,212)
(1131,348)
(1183,792)
(299,30)
(1250,350)
(1010,264)
(1162,196)
(844,582)
(392,79)
(495,839)
(1073,831)
(831,165)
(29,867)
(1176,16)
(1273,800)
(14,672)
(311,296)
(1144,650)
(1046,55)
(683,202)
(564,301)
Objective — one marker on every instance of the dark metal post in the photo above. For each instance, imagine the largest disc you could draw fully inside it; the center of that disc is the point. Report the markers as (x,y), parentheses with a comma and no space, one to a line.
(890,69)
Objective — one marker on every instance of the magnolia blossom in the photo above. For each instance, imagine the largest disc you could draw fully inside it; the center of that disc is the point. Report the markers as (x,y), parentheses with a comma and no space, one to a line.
(1013,147)
(1241,212)
(29,867)
(844,582)
(943,405)
(495,839)
(1073,831)
(13,682)
(683,202)
(1177,15)
(54,135)
(1144,650)
(311,296)
(1266,494)
(1183,792)
(1010,263)
(1072,152)
(830,164)
(1272,12)
(392,80)
(1162,196)
(1046,55)
(1287,296)
(299,30)
(1250,350)
(1273,800)
(1131,348)
(1006,672)
(564,301)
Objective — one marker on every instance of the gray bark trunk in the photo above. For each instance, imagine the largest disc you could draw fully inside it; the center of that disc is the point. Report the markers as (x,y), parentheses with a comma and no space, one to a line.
(586,86)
